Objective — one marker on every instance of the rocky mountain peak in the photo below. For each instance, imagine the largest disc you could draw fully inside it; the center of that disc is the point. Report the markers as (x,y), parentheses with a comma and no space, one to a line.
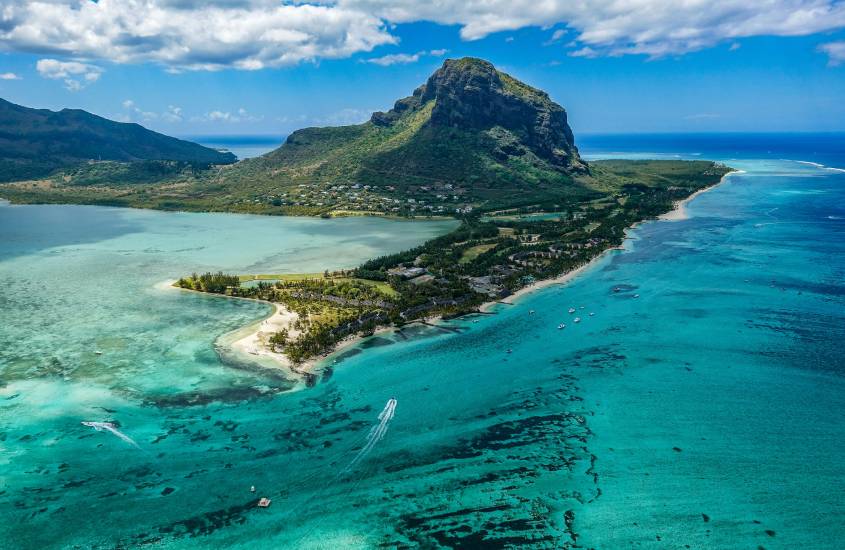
(471,94)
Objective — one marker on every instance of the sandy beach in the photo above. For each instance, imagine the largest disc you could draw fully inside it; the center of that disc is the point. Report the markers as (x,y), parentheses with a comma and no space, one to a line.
(680,211)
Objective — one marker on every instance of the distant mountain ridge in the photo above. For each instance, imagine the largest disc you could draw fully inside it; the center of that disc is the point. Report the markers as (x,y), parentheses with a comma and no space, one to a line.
(36,142)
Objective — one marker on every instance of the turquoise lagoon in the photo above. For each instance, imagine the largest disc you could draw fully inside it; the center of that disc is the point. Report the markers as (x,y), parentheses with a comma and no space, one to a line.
(700,406)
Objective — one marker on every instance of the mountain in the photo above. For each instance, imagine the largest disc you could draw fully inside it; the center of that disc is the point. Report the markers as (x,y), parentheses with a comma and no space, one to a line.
(470,139)
(470,128)
(36,142)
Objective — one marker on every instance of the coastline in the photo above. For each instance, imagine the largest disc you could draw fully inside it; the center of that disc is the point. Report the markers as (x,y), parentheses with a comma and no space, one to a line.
(251,342)
(680,211)
(254,343)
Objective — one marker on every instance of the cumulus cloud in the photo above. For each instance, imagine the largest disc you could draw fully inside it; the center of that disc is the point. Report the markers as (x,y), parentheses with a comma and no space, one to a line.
(253,34)
(9,76)
(835,52)
(618,27)
(190,34)
(76,75)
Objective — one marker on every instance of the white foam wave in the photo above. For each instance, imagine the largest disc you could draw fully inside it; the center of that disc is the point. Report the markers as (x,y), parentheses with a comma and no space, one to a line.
(376,433)
(109,427)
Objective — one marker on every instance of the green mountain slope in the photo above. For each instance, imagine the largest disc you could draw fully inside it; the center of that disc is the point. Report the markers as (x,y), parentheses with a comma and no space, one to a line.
(36,142)
(470,129)
(471,139)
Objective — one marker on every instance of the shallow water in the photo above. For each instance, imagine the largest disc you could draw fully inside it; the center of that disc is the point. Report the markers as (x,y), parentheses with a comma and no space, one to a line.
(705,412)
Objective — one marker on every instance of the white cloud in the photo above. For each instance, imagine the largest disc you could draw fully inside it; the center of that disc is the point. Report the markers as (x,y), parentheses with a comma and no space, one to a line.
(241,115)
(253,34)
(136,114)
(618,27)
(556,36)
(404,58)
(586,51)
(76,75)
(835,52)
(190,34)
(395,59)
(9,76)
(172,114)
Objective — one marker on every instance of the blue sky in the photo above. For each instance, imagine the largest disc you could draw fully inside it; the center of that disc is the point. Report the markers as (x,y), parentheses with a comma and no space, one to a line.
(693,71)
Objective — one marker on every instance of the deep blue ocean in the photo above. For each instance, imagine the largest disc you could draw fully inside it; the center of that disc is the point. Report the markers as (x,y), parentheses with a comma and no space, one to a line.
(701,406)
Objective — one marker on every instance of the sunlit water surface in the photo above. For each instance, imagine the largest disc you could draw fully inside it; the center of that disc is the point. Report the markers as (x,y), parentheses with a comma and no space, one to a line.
(700,405)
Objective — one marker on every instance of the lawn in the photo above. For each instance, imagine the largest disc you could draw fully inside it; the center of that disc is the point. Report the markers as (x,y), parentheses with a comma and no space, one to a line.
(382,286)
(474,252)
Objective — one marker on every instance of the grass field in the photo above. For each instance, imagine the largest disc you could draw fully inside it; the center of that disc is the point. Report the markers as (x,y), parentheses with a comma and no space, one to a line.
(474,252)
(383,287)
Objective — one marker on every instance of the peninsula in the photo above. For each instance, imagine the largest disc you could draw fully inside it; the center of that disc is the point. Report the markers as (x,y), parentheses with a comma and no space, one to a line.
(473,143)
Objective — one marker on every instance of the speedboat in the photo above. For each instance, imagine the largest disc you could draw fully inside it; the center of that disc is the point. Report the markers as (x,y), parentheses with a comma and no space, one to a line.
(636,295)
(560,326)
(576,320)
(591,314)
(572,310)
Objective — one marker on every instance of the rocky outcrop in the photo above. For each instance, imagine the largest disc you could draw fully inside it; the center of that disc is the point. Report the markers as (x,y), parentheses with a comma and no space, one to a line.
(470,94)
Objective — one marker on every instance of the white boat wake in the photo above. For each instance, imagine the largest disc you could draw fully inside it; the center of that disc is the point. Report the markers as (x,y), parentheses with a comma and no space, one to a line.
(109,427)
(376,433)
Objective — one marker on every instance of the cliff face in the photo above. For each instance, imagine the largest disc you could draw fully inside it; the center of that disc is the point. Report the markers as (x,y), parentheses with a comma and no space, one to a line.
(470,94)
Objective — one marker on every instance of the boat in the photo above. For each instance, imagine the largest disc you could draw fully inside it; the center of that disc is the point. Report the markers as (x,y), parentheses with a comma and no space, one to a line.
(576,320)
(531,312)
(636,295)
(264,502)
(98,353)
(591,314)
(617,289)
(572,310)
(509,351)
(560,326)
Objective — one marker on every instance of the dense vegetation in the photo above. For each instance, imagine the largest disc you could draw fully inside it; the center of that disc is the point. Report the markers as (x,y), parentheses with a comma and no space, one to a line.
(485,258)
(35,143)
(217,283)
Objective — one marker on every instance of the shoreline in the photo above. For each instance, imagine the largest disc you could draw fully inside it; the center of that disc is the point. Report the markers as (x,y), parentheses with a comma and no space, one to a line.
(254,344)
(251,342)
(680,211)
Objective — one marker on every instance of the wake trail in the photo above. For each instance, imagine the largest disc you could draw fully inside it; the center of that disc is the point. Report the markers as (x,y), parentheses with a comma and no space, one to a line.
(376,434)
(109,427)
